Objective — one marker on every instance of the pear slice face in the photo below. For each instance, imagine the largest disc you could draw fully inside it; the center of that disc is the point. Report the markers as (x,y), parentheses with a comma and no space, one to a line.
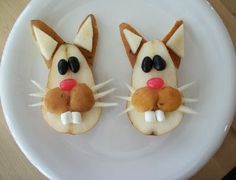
(139,79)
(84,75)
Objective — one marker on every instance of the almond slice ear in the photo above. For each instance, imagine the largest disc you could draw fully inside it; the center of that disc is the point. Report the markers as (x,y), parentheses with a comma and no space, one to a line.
(47,39)
(84,37)
(174,41)
(87,37)
(132,41)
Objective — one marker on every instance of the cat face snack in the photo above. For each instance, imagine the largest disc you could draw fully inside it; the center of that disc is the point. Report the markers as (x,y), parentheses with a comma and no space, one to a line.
(70,100)
(156,103)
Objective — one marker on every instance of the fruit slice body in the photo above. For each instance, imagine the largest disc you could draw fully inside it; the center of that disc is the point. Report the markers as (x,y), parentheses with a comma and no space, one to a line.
(84,75)
(140,78)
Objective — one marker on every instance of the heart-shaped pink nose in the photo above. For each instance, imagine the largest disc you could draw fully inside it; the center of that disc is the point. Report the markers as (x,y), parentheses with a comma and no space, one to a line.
(67,84)
(155,83)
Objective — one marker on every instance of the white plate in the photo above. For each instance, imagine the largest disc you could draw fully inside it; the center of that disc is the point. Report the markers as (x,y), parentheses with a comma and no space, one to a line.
(114,149)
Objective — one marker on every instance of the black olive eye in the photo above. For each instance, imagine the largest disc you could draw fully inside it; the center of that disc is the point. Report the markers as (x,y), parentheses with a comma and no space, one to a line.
(159,63)
(147,64)
(74,64)
(62,66)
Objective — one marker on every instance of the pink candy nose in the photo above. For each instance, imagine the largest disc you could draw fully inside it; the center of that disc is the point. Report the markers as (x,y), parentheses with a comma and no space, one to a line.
(155,83)
(67,84)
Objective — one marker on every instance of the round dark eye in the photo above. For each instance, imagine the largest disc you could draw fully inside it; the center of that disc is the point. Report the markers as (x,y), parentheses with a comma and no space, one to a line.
(159,63)
(74,64)
(147,64)
(62,66)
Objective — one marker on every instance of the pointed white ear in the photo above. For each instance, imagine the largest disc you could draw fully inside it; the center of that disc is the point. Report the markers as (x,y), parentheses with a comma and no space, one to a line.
(47,44)
(176,41)
(133,40)
(84,37)
(46,38)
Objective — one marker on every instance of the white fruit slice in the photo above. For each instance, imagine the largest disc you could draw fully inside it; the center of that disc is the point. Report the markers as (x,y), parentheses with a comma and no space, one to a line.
(139,79)
(84,75)
(176,42)
(84,37)
(46,43)
(133,40)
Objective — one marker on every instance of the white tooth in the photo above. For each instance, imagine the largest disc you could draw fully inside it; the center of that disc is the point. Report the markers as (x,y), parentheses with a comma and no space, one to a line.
(66,117)
(150,116)
(76,117)
(160,115)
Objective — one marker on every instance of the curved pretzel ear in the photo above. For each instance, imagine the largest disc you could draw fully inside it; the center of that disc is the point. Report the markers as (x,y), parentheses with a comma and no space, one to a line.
(174,41)
(87,37)
(132,41)
(47,39)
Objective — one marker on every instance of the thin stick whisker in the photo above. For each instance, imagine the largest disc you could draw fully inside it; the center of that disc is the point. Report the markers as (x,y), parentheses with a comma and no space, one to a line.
(189,100)
(182,88)
(187,110)
(36,104)
(37,94)
(101,85)
(127,98)
(130,88)
(126,110)
(104,104)
(38,85)
(103,94)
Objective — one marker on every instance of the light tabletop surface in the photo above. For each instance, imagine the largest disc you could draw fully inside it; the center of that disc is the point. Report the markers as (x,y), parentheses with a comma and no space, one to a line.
(14,165)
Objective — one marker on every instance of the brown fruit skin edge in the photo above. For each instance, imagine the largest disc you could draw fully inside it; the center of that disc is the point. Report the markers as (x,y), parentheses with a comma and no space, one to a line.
(175,58)
(45,28)
(88,55)
(132,58)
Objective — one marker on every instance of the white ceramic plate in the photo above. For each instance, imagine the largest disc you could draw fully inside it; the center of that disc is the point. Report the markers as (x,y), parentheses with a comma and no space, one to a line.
(114,149)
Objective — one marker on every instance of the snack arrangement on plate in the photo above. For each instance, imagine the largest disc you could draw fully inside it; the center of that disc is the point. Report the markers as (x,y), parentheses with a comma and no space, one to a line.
(70,102)
(156,104)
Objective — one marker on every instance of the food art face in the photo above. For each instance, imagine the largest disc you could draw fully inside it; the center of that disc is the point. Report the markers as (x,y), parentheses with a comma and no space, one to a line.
(158,73)
(156,104)
(70,103)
